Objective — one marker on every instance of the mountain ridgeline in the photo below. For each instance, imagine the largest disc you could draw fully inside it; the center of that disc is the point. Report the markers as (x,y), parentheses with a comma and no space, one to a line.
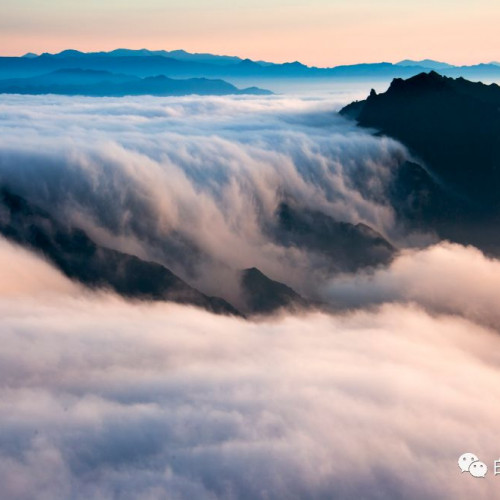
(98,83)
(181,64)
(78,257)
(346,247)
(452,126)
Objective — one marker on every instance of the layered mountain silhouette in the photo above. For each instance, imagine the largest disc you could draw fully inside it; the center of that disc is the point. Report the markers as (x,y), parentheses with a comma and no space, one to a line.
(343,246)
(99,83)
(453,126)
(347,247)
(81,259)
(176,54)
(72,251)
(181,64)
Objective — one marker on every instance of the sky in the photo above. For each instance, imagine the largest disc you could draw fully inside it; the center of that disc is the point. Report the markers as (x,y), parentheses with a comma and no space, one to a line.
(316,32)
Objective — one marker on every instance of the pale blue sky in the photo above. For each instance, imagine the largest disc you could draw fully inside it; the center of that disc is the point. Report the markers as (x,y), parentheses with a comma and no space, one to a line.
(320,32)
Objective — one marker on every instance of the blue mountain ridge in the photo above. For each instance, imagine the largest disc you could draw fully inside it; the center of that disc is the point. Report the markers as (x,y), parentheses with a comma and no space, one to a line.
(99,83)
(183,64)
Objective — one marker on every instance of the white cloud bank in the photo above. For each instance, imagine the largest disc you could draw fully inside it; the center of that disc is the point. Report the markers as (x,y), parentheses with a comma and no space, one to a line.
(163,178)
(105,399)
(445,278)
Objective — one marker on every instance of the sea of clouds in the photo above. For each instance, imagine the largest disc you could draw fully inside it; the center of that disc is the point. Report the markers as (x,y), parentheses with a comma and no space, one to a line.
(107,399)
(194,183)
(104,398)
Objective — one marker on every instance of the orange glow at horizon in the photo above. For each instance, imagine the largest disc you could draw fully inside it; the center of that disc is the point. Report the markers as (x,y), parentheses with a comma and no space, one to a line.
(322,33)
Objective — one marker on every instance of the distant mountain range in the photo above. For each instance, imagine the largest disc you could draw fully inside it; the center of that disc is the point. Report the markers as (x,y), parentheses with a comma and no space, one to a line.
(425,63)
(105,84)
(181,64)
(453,126)
(176,54)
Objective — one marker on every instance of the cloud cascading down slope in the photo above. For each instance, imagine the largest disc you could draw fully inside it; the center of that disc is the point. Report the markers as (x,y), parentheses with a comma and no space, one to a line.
(195,183)
(106,398)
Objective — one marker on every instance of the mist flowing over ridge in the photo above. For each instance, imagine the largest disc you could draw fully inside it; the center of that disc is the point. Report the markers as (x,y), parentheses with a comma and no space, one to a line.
(239,297)
(206,187)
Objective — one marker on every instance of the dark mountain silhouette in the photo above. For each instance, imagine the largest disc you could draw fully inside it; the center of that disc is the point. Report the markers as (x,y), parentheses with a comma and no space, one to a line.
(105,84)
(263,295)
(454,127)
(79,258)
(182,64)
(348,247)
(72,251)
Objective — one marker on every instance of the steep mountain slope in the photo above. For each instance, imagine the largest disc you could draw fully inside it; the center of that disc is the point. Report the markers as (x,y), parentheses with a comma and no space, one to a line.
(347,247)
(453,126)
(72,251)
(79,258)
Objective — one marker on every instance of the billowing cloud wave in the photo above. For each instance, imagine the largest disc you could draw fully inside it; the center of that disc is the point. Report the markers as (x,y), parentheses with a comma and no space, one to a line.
(445,278)
(194,183)
(106,399)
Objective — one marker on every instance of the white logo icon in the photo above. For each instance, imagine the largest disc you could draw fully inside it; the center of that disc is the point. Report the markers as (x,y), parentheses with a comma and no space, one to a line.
(478,469)
(468,462)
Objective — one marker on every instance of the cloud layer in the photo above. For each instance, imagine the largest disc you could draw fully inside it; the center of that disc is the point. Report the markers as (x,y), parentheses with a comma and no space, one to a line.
(106,399)
(445,278)
(194,183)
